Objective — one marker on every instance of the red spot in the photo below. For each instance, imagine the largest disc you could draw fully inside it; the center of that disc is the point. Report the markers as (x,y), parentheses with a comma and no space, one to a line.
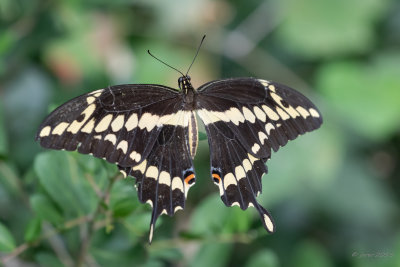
(189,179)
(216,177)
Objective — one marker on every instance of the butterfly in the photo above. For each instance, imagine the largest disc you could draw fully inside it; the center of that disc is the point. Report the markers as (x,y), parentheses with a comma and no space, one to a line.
(151,132)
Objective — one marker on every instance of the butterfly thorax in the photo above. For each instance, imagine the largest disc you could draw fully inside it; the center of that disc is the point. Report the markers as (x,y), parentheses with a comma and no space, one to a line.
(188,91)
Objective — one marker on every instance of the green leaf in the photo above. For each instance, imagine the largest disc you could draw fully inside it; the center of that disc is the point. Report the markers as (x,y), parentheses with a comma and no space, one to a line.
(64,180)
(210,216)
(7,40)
(48,260)
(3,137)
(154,263)
(74,49)
(9,179)
(123,198)
(166,254)
(263,258)
(310,253)
(7,242)
(138,224)
(212,254)
(135,255)
(365,95)
(238,220)
(323,28)
(202,136)
(25,99)
(45,209)
(33,230)
(123,207)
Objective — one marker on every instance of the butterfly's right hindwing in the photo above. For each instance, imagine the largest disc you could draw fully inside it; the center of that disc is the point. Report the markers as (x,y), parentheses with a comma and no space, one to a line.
(163,179)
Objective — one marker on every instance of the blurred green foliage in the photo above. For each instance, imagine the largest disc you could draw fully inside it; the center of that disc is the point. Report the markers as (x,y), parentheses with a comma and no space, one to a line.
(334,193)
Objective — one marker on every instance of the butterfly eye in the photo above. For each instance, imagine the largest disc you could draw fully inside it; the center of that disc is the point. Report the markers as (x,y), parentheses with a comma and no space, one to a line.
(188,77)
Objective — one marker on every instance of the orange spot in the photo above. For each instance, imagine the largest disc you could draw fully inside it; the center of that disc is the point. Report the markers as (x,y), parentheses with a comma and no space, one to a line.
(189,178)
(216,176)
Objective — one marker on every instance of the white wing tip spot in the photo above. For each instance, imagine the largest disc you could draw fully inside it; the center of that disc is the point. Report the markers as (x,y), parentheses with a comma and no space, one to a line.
(104,123)
(177,183)
(256,147)
(60,128)
(270,113)
(229,179)
(264,82)
(177,208)
(118,123)
(90,100)
(303,112)
(164,211)
(45,131)
(268,127)
(97,93)
(151,232)
(131,122)
(240,173)
(251,158)
(314,113)
(112,138)
(235,204)
(123,145)
(247,165)
(248,115)
(271,87)
(150,202)
(262,137)
(268,223)
(165,178)
(141,167)
(152,172)
(135,156)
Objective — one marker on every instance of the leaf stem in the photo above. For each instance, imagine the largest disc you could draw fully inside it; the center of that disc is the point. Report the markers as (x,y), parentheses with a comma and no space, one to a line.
(91,226)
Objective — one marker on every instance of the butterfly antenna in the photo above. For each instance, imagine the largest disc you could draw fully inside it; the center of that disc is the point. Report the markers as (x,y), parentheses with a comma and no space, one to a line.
(148,51)
(198,49)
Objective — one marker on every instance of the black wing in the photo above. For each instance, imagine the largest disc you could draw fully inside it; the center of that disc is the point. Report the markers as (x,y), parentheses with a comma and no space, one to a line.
(245,118)
(163,179)
(142,128)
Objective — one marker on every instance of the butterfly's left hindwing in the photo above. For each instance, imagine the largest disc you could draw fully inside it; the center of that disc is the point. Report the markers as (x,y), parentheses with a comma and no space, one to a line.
(245,119)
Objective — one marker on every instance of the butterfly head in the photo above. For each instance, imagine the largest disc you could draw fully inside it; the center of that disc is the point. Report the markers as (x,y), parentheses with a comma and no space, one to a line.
(185,84)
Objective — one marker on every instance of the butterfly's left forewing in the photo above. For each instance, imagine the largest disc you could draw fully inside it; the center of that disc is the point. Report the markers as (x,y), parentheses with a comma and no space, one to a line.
(245,119)
(141,128)
(119,123)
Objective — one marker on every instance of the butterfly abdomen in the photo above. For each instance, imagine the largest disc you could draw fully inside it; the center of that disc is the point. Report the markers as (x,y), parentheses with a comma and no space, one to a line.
(193,136)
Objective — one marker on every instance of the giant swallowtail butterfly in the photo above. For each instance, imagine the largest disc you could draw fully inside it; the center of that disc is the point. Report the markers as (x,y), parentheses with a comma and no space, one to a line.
(150,131)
